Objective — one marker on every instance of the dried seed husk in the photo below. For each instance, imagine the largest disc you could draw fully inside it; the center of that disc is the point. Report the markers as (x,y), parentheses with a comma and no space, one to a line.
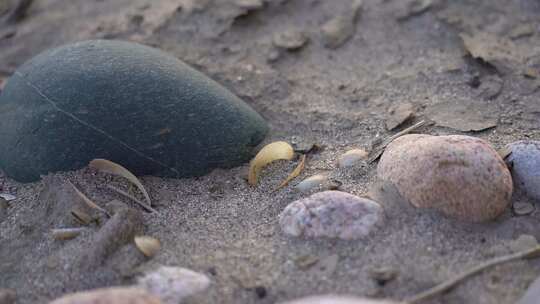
(274,151)
(66,233)
(148,245)
(113,168)
(294,173)
(81,216)
(88,201)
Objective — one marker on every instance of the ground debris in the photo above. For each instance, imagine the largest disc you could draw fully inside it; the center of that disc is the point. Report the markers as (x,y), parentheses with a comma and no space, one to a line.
(398,114)
(291,39)
(501,53)
(338,30)
(462,116)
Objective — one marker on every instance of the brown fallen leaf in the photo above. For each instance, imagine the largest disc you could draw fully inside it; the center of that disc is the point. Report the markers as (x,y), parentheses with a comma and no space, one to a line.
(113,168)
(88,201)
(294,173)
(278,150)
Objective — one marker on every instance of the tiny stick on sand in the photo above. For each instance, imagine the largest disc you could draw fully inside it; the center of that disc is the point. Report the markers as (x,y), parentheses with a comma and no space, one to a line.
(529,253)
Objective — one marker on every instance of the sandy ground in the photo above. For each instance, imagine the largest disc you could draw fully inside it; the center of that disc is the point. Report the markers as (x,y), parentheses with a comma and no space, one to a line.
(337,98)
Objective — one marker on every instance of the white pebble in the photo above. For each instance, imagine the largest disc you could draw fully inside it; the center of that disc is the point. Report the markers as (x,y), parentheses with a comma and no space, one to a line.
(331,214)
(311,183)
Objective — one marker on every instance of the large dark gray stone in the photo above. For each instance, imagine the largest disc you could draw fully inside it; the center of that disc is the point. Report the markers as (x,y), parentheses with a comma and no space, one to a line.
(125,102)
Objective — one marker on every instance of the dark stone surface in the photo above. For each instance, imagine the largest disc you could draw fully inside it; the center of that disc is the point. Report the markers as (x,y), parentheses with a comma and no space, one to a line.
(125,102)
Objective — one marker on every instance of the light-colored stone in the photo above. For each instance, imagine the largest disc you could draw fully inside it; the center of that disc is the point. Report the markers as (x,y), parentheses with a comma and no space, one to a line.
(331,214)
(335,299)
(174,284)
(113,295)
(290,39)
(461,176)
(352,157)
(311,183)
(524,163)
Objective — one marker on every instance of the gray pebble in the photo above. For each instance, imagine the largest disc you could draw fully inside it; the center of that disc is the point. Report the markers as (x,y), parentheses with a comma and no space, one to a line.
(290,39)
(524,163)
(352,157)
(533,293)
(331,214)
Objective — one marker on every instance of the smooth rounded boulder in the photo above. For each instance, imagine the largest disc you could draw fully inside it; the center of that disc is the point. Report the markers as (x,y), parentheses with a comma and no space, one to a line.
(460,176)
(125,102)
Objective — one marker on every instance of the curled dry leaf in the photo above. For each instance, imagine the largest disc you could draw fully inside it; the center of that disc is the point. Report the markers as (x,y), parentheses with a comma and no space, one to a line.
(66,233)
(294,173)
(113,168)
(148,245)
(131,197)
(274,151)
(88,201)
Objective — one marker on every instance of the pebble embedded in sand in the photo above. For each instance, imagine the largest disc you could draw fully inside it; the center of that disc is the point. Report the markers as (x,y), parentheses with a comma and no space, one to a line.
(125,102)
(113,295)
(335,299)
(331,214)
(311,183)
(461,176)
(338,30)
(290,39)
(352,157)
(173,284)
(524,163)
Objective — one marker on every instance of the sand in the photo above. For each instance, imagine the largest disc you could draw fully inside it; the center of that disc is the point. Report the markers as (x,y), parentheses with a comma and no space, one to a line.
(338,98)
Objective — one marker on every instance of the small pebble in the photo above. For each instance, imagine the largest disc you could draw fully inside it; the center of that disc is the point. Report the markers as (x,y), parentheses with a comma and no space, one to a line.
(249,4)
(398,114)
(524,163)
(113,295)
(335,299)
(290,39)
(311,183)
(461,176)
(331,214)
(352,157)
(173,284)
(523,208)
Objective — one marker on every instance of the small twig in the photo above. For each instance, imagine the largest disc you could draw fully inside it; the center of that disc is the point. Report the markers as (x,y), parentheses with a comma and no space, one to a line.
(530,253)
(377,152)
(133,198)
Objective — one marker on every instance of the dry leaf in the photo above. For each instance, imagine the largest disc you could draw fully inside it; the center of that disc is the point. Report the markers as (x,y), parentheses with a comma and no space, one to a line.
(148,245)
(81,216)
(295,172)
(88,201)
(113,168)
(66,233)
(131,197)
(274,151)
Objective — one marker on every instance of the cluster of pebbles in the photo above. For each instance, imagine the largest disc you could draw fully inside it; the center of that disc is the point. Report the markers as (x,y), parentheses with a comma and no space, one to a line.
(458,176)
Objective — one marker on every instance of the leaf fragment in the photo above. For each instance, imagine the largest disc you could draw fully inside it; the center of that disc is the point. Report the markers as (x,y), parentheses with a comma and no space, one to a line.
(148,245)
(131,197)
(110,167)
(278,150)
(88,201)
(294,173)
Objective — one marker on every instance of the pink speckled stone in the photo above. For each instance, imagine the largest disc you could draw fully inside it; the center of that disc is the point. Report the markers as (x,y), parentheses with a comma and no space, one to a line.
(331,214)
(461,176)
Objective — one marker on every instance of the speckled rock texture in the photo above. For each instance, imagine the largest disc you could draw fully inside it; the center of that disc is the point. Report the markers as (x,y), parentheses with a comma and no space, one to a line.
(173,284)
(331,214)
(125,102)
(334,299)
(114,295)
(524,163)
(461,176)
